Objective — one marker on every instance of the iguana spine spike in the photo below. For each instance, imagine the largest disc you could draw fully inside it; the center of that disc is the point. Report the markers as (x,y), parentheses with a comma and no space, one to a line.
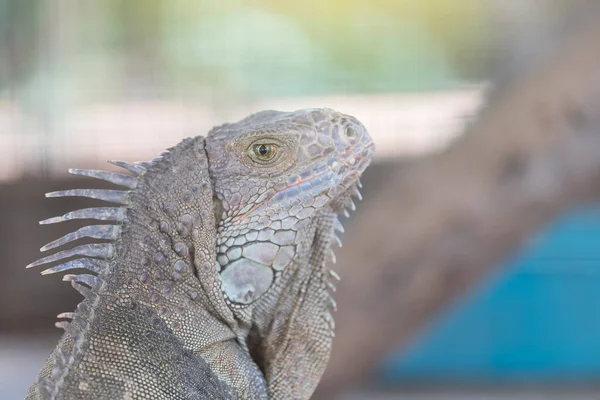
(84,290)
(133,168)
(356,193)
(98,266)
(329,319)
(100,213)
(351,205)
(145,164)
(91,280)
(112,196)
(107,232)
(331,286)
(332,303)
(94,250)
(127,181)
(69,315)
(62,324)
(333,257)
(338,225)
(334,275)
(337,240)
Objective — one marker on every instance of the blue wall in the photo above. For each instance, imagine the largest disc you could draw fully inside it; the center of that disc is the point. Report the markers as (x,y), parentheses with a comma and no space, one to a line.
(536,318)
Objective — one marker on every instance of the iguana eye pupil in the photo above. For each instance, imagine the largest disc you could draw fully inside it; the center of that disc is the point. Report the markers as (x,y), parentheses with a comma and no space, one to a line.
(264,151)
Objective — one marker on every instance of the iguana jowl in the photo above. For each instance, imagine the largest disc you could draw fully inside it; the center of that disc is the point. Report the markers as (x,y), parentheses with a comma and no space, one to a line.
(211,280)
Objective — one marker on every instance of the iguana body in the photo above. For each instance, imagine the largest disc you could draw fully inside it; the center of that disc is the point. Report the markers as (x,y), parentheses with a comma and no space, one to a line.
(213,283)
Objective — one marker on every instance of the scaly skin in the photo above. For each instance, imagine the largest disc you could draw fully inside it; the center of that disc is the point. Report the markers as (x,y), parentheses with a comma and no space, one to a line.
(216,285)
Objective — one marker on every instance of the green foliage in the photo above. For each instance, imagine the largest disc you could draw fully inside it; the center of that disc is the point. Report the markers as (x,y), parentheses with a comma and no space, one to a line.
(242,48)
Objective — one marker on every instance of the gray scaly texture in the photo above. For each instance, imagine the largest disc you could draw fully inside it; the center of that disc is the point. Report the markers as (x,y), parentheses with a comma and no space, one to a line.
(210,279)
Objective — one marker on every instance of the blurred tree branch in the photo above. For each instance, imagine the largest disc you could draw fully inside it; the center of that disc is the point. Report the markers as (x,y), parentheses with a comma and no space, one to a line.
(439,224)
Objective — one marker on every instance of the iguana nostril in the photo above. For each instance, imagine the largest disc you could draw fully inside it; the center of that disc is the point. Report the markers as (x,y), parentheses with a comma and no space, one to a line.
(350,133)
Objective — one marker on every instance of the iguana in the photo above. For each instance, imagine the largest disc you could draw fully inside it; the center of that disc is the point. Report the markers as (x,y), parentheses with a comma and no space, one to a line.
(210,281)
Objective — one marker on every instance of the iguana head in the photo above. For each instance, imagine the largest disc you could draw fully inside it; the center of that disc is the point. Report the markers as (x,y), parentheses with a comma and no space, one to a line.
(280,179)
(272,173)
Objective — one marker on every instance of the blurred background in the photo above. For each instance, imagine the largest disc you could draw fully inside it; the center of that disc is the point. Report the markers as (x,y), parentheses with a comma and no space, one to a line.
(83,82)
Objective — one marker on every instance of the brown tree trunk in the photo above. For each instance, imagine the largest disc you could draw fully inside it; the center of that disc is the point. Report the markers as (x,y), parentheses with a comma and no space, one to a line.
(439,224)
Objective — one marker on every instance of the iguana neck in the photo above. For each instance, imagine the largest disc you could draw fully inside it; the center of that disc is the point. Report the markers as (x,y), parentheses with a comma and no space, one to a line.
(171,250)
(166,254)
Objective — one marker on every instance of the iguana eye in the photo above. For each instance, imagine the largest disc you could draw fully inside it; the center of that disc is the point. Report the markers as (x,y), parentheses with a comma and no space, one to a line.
(264,151)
